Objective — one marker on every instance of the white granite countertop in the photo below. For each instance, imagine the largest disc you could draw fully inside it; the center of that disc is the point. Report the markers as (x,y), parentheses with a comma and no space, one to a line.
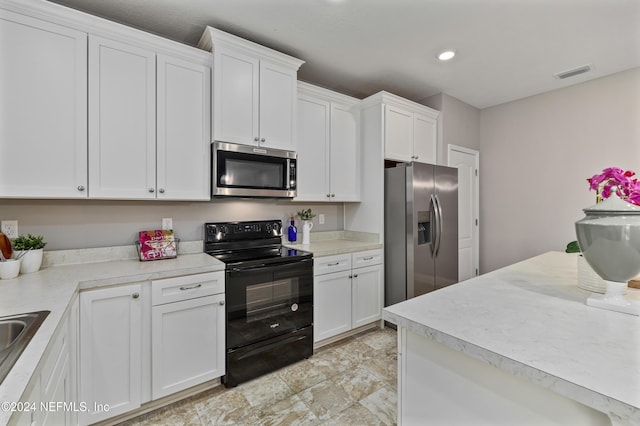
(530,320)
(336,242)
(53,288)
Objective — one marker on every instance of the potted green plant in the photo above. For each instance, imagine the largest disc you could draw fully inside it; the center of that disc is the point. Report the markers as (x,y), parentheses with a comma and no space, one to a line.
(306,216)
(29,248)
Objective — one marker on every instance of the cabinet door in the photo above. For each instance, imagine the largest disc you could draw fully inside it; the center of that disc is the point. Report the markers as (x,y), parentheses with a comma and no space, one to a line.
(236,79)
(55,379)
(43,109)
(278,94)
(313,149)
(188,344)
(398,134)
(32,397)
(367,294)
(424,139)
(344,171)
(122,120)
(331,305)
(110,351)
(183,123)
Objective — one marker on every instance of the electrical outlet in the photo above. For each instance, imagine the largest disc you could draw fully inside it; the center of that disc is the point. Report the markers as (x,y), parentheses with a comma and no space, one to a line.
(321,219)
(167,223)
(9,228)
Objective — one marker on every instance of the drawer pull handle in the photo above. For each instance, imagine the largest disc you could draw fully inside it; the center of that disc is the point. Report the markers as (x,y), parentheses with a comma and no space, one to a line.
(274,325)
(367,258)
(333,264)
(191,287)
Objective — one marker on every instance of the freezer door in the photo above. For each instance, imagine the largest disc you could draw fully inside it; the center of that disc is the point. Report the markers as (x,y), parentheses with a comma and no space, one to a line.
(420,229)
(446,261)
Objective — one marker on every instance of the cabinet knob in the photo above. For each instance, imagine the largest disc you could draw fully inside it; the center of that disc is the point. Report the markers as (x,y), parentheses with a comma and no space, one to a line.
(256,139)
(135,295)
(81,188)
(355,275)
(161,190)
(328,195)
(262,140)
(221,303)
(152,190)
(333,195)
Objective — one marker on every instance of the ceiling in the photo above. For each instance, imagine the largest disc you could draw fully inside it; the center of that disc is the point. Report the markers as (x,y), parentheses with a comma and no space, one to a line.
(507,49)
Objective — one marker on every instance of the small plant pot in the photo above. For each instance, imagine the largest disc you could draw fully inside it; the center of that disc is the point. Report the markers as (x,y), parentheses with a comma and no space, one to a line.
(31,261)
(10,269)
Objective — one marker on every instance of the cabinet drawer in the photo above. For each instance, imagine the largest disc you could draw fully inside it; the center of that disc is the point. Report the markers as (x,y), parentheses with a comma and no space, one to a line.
(328,264)
(366,258)
(187,287)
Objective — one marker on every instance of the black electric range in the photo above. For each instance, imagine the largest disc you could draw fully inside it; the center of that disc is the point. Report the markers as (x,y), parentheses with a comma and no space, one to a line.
(269,297)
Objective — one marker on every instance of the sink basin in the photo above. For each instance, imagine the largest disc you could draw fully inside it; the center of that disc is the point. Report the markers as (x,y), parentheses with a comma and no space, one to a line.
(16,332)
(10,330)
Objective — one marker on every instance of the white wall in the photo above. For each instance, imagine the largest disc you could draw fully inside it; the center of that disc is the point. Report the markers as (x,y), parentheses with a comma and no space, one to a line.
(537,153)
(67,224)
(458,124)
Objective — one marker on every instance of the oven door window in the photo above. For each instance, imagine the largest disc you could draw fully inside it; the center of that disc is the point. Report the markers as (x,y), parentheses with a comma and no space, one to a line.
(241,170)
(268,301)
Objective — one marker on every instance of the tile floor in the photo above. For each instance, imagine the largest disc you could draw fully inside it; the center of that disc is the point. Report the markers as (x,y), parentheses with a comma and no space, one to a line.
(351,382)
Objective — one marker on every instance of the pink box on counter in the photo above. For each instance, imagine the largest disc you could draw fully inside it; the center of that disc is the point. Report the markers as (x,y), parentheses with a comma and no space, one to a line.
(157,244)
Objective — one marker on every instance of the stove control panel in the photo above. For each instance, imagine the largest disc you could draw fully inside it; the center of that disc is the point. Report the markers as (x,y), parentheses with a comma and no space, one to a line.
(233,231)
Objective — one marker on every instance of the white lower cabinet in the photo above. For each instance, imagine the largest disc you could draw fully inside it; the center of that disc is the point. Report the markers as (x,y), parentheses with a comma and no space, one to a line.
(110,351)
(187,338)
(52,393)
(142,341)
(32,398)
(347,292)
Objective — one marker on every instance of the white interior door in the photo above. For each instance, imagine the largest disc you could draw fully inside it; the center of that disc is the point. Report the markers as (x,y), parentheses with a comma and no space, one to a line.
(468,163)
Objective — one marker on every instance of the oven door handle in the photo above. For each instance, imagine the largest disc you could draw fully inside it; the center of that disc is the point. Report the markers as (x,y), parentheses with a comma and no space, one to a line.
(269,266)
(250,268)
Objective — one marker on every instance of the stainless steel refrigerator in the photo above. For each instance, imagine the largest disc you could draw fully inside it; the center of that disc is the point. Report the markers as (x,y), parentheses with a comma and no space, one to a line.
(421,230)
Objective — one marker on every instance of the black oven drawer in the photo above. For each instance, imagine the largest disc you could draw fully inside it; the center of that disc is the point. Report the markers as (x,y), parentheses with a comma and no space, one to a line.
(245,330)
(254,360)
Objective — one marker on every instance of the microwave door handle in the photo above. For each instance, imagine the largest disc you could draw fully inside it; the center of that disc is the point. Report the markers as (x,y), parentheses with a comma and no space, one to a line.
(288,175)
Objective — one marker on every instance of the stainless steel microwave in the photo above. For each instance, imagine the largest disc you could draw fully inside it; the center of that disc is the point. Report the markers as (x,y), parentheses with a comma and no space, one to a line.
(252,171)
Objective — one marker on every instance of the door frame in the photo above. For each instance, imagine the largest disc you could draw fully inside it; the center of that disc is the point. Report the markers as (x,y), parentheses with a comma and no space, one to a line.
(476,199)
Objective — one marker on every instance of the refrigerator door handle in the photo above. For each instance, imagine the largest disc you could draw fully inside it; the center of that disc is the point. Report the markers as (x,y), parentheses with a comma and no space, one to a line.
(434,224)
(438,224)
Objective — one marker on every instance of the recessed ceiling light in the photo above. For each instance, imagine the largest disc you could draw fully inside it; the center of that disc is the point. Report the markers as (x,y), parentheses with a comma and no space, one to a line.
(446,55)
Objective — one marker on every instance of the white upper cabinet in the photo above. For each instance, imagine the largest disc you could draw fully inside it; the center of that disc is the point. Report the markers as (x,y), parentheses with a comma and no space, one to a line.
(425,138)
(398,134)
(236,96)
(122,120)
(149,124)
(43,109)
(328,145)
(313,148)
(93,109)
(254,92)
(410,129)
(183,129)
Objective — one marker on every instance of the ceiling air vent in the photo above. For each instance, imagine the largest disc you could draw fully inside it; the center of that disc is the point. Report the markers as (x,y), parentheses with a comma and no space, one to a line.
(572,72)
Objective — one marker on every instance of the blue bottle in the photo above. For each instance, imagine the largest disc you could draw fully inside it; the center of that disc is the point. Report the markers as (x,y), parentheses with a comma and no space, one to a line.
(293,231)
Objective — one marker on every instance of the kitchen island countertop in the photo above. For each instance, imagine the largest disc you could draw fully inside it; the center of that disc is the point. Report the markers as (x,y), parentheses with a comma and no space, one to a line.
(54,288)
(530,320)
